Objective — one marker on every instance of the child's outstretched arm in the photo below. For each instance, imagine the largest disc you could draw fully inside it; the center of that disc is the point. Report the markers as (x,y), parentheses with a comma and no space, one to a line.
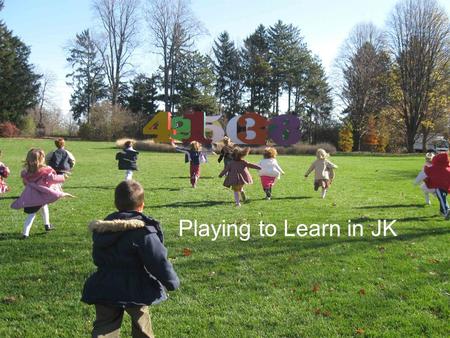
(253,166)
(331,165)
(277,167)
(420,177)
(154,256)
(311,168)
(225,170)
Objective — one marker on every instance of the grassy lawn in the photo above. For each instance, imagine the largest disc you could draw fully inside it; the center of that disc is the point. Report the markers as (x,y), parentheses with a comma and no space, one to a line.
(264,287)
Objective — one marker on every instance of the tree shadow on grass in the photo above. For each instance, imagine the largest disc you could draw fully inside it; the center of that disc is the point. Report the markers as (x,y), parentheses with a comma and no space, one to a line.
(261,247)
(201,177)
(98,187)
(9,198)
(169,189)
(403,219)
(392,206)
(291,198)
(192,204)
(18,236)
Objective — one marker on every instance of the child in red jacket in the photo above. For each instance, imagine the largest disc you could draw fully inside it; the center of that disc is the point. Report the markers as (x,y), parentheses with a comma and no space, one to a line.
(438,177)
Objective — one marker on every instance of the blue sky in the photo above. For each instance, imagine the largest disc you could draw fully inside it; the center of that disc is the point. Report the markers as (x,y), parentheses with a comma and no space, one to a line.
(48,25)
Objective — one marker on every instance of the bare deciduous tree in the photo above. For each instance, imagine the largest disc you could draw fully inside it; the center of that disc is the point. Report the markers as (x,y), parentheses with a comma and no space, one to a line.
(174,28)
(363,66)
(419,35)
(119,21)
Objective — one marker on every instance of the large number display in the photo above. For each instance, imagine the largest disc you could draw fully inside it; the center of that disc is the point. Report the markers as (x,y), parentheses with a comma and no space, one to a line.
(249,128)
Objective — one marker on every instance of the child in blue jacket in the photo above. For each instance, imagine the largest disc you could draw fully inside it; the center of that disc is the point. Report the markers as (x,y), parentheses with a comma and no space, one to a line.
(133,270)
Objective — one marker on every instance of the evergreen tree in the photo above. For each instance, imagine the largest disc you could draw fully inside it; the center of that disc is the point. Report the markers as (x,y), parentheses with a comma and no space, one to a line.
(87,77)
(142,100)
(284,43)
(196,83)
(257,70)
(229,87)
(18,83)
(313,101)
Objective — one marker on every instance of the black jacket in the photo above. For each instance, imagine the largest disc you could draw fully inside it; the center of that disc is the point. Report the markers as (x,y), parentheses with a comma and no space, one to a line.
(60,161)
(131,260)
(127,159)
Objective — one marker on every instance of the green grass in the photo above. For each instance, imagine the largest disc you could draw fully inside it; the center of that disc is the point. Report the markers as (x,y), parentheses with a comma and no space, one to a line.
(264,287)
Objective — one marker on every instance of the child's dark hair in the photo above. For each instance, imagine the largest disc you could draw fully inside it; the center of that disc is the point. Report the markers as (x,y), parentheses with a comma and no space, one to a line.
(59,143)
(128,144)
(129,195)
(240,153)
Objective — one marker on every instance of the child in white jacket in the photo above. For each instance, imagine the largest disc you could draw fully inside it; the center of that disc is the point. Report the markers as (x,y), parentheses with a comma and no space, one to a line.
(323,171)
(270,171)
(422,176)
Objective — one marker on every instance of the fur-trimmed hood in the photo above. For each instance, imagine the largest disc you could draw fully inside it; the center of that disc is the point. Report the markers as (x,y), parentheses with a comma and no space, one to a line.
(115,225)
(118,224)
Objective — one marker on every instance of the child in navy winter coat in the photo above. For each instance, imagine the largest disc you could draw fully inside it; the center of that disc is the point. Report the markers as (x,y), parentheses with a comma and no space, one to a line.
(133,270)
(127,160)
(61,160)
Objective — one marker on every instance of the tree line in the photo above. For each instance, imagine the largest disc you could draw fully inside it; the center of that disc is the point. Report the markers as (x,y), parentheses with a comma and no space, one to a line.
(391,85)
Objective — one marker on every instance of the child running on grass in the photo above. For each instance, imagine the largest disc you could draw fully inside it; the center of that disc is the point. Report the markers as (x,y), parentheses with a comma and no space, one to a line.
(226,153)
(323,171)
(61,160)
(128,159)
(238,174)
(133,270)
(421,178)
(4,173)
(41,188)
(270,170)
(437,176)
(195,156)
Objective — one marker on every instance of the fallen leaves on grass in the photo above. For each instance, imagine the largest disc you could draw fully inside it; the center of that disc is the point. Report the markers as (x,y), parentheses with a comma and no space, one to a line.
(324,313)
(433,261)
(187,252)
(9,299)
(362,292)
(359,331)
(381,249)
(316,287)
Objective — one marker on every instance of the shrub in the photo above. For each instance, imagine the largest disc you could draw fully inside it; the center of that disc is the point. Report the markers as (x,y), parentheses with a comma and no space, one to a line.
(28,126)
(8,129)
(346,138)
(107,122)
(296,149)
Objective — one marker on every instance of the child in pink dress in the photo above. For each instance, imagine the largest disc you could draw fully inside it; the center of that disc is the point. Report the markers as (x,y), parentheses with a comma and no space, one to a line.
(41,188)
(238,174)
(4,173)
(270,171)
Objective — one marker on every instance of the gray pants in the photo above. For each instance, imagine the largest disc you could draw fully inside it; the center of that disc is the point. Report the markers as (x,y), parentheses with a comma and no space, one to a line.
(108,320)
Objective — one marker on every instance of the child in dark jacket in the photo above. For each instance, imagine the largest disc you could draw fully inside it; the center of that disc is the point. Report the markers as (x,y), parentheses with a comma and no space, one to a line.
(127,160)
(195,155)
(133,270)
(437,176)
(61,160)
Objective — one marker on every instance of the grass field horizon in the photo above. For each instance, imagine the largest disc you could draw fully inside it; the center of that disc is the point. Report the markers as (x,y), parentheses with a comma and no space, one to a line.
(264,287)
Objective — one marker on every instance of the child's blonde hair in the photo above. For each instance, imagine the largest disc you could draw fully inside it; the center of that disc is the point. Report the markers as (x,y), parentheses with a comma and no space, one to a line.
(226,141)
(321,154)
(35,160)
(196,146)
(270,152)
(240,153)
(429,157)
